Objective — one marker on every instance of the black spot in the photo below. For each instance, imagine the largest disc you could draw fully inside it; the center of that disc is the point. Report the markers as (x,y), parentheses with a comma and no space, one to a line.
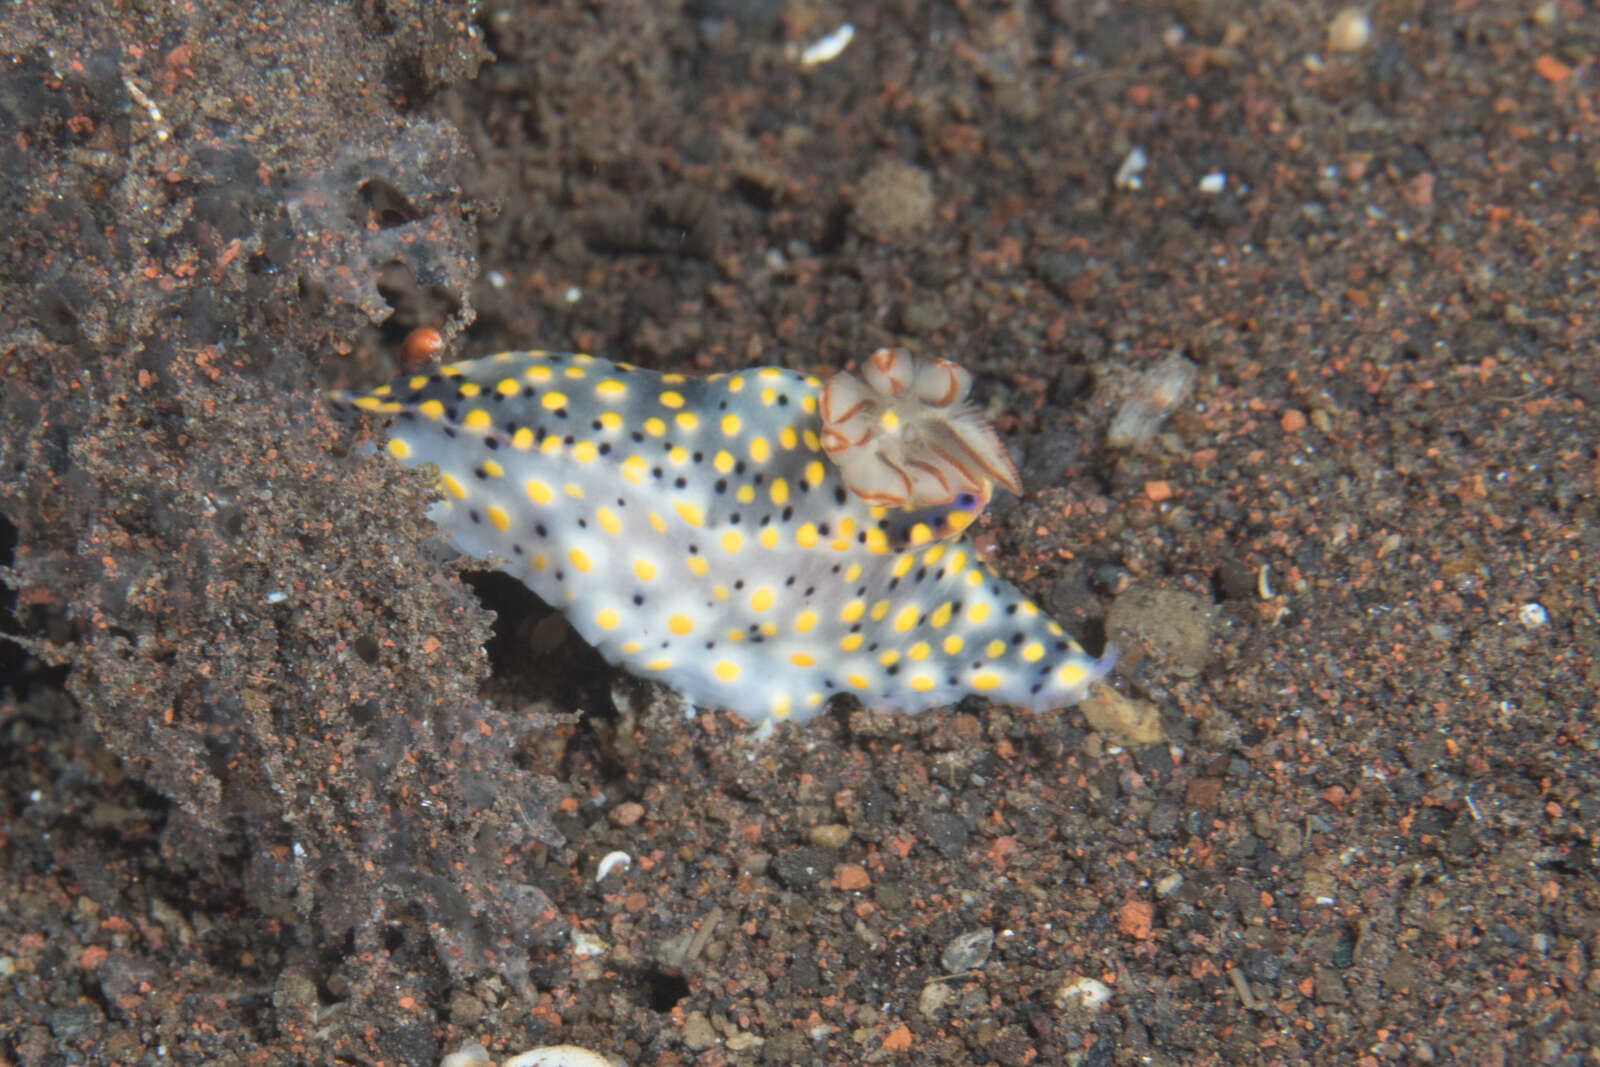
(873,647)
(803,485)
(1062,646)
(528,390)
(408,415)
(451,412)
(922,572)
(788,581)
(738,468)
(583,523)
(436,378)
(783,400)
(739,584)
(605,448)
(758,479)
(480,474)
(721,486)
(840,496)
(450,432)
(491,443)
(621,503)
(1036,687)
(822,528)
(561,413)
(891,671)
(765,520)
(657,473)
(788,513)
(861,538)
(1018,637)
(893,584)
(637,436)
(694,550)
(475,517)
(711,644)
(595,425)
(568,440)
(722,406)
(561,576)
(1011,609)
(539,529)
(638,598)
(516,549)
(733,520)
(681,483)
(810,589)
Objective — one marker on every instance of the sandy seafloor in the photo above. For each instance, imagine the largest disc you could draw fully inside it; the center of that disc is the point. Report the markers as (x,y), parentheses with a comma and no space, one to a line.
(277,787)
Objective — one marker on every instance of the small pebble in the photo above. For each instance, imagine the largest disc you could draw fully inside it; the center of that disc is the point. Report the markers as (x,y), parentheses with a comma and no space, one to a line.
(967,952)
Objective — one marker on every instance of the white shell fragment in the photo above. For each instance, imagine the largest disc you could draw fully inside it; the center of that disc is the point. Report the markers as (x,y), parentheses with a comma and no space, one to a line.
(1158,393)
(558,1056)
(827,49)
(609,862)
(903,435)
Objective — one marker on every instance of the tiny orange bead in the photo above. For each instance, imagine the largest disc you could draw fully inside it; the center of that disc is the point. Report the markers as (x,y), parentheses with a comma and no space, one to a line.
(420,348)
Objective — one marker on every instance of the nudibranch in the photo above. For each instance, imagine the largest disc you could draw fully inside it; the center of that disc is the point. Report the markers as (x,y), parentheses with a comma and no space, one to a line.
(758,541)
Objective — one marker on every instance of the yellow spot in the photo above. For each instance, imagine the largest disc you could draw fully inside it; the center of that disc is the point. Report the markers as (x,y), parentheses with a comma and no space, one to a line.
(610,420)
(723,461)
(804,622)
(958,560)
(759,449)
(780,491)
(922,683)
(801,659)
(736,384)
(657,523)
(787,437)
(974,577)
(761,599)
(852,572)
(905,619)
(634,468)
(995,649)
(769,537)
(889,658)
(851,642)
(431,409)
(770,629)
(687,420)
(889,420)
(857,680)
(813,442)
(574,373)
(806,536)
(780,707)
(730,425)
(508,387)
(680,624)
(815,472)
(1027,609)
(552,401)
(644,569)
(921,534)
(919,651)
(953,645)
(903,565)
(808,404)
(1033,652)
(977,613)
(453,487)
(574,490)
(673,379)
(493,469)
(658,664)
(550,445)
(727,670)
(608,520)
(451,370)
(580,560)
(468,389)
(670,399)
(941,614)
(813,700)
(688,512)
(417,382)
(720,592)
(879,610)
(678,455)
(731,541)
(985,680)
(540,561)
(769,397)
(399,449)
(585,452)
(610,389)
(853,610)
(699,565)
(1071,674)
(770,374)
(654,426)
(537,373)
(745,494)
(877,541)
(498,517)
(734,635)
(477,419)
(607,619)
(933,555)
(1054,628)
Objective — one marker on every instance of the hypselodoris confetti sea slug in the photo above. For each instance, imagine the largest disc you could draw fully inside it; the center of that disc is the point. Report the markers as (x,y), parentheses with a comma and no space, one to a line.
(758,541)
